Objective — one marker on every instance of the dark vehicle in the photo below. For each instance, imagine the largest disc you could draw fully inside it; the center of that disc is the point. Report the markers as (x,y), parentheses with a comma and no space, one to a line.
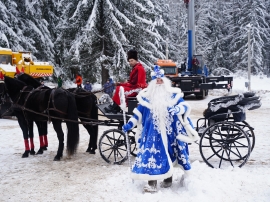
(189,83)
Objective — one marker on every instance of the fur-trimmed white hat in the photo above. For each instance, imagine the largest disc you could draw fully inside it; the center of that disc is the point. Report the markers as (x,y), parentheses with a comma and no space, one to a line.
(157,73)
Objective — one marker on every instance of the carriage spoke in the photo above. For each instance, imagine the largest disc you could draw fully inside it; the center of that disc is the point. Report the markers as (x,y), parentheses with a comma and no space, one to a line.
(106,149)
(106,144)
(214,154)
(121,149)
(110,154)
(239,154)
(119,153)
(109,139)
(242,145)
(221,159)
(229,158)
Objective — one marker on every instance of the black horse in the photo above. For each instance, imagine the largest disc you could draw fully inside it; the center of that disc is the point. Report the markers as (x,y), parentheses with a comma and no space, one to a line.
(26,126)
(88,111)
(86,103)
(43,104)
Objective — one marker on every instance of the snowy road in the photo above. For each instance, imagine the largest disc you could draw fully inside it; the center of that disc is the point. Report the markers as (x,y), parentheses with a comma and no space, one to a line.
(86,177)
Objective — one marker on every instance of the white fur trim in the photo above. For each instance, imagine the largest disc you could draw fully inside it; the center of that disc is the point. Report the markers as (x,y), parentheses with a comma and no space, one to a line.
(192,134)
(144,94)
(154,73)
(136,176)
(182,108)
(139,125)
(134,121)
(138,113)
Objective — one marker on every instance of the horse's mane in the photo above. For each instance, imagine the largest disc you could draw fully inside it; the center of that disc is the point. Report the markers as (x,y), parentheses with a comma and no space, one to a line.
(13,86)
(2,87)
(29,80)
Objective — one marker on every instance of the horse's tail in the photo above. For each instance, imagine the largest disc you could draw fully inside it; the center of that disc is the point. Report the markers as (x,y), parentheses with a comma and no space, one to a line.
(73,127)
(94,115)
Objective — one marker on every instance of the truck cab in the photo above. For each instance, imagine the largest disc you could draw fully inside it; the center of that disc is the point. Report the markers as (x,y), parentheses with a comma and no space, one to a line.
(169,67)
(12,62)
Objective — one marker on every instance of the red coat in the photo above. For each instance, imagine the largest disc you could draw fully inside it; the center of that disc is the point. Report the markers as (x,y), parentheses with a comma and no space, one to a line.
(136,82)
(78,80)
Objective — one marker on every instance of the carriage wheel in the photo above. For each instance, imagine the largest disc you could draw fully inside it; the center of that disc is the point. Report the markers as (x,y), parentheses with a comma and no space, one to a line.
(133,145)
(112,146)
(225,144)
(249,131)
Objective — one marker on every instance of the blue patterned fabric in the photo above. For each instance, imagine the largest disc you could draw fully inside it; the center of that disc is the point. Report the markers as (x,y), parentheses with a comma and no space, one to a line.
(154,158)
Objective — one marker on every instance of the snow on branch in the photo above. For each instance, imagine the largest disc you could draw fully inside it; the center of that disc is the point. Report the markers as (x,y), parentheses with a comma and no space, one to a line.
(157,35)
(114,19)
(149,22)
(92,17)
(109,4)
(123,17)
(141,7)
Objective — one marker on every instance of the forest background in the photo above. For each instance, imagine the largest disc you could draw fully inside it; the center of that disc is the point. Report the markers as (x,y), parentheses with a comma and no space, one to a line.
(92,37)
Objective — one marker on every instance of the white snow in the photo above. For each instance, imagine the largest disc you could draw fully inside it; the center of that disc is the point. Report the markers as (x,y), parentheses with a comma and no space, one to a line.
(86,177)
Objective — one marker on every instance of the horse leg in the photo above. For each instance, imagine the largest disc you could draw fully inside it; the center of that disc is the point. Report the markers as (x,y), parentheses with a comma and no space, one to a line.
(45,132)
(31,136)
(41,130)
(23,125)
(92,131)
(60,135)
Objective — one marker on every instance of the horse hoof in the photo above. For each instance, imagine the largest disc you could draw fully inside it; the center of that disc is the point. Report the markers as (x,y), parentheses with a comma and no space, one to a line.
(25,154)
(57,158)
(40,151)
(32,152)
(44,148)
(92,152)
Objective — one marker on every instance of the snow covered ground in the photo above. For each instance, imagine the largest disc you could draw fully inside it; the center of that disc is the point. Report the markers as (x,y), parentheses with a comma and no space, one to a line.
(86,177)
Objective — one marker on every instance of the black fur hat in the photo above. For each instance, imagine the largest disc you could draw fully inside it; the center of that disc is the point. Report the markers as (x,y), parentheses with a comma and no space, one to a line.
(132,54)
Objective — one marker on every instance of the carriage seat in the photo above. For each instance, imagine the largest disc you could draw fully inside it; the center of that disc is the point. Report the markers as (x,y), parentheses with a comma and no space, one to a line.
(132,104)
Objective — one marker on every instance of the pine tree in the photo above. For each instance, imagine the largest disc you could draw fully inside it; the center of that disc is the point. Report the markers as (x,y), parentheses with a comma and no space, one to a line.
(178,31)
(102,31)
(249,12)
(25,28)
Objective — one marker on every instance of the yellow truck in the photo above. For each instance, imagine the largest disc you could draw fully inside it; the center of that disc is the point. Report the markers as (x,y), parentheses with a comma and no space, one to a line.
(22,61)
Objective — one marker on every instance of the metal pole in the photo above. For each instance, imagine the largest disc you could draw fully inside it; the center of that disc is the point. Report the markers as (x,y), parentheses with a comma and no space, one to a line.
(193,27)
(191,32)
(123,106)
(249,68)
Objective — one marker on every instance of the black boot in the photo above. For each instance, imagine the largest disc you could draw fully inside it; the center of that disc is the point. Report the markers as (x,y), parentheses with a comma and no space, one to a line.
(114,108)
(166,183)
(151,186)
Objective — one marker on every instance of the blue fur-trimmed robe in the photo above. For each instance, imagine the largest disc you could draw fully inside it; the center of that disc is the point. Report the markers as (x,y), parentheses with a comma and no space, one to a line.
(157,152)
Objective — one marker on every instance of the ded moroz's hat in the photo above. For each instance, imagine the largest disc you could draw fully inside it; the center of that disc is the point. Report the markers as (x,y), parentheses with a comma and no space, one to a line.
(157,72)
(132,54)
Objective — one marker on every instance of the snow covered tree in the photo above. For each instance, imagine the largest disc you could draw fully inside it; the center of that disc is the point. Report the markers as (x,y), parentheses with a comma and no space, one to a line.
(102,31)
(178,31)
(25,28)
(248,12)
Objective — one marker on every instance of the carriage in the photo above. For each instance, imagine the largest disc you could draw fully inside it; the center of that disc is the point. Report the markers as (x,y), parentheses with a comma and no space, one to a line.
(226,139)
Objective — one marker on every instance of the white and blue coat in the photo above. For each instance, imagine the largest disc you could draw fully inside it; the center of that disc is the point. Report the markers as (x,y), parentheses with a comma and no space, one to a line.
(158,152)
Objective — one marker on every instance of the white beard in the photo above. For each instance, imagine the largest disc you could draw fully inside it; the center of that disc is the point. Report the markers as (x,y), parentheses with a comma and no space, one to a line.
(159,100)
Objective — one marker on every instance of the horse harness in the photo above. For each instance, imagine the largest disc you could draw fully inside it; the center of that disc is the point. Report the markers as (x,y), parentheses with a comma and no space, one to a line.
(81,95)
(51,100)
(30,92)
